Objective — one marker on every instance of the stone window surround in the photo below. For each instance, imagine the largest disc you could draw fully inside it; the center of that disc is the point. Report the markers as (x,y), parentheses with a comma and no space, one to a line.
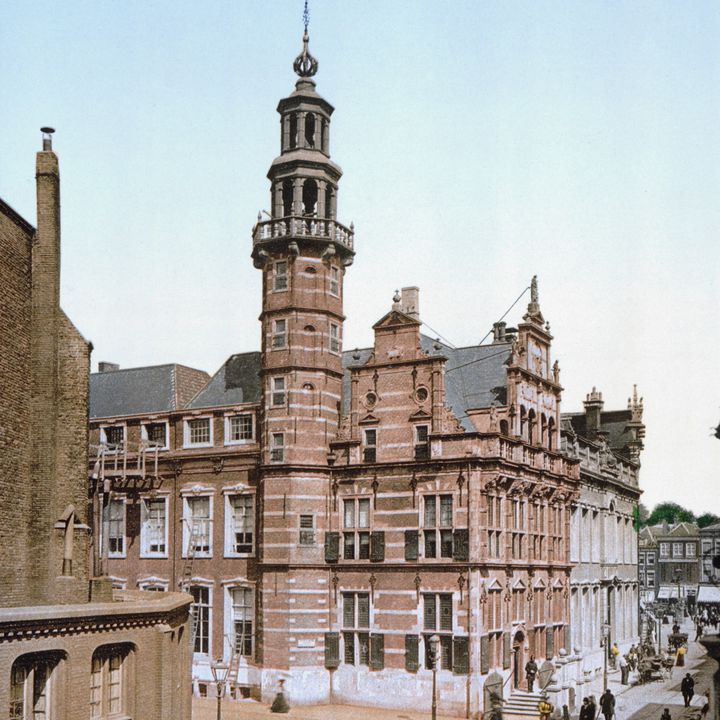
(106,526)
(209,586)
(144,434)
(229,528)
(144,552)
(194,494)
(103,432)
(186,431)
(227,426)
(228,616)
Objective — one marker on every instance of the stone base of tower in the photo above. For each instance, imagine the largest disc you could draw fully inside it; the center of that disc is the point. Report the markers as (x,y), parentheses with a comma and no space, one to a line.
(389,688)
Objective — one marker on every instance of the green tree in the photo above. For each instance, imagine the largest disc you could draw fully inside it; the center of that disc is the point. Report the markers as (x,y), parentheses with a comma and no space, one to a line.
(670,511)
(707,519)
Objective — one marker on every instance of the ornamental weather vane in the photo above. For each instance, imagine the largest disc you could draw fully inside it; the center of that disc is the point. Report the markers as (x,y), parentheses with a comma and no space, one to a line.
(305,64)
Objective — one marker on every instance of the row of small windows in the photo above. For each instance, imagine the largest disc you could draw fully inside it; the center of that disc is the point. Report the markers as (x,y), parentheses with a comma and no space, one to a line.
(36,685)
(279,335)
(197,432)
(281,277)
(542,433)
(678,549)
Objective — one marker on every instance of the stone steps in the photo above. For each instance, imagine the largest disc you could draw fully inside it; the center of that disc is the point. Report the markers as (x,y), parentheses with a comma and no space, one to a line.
(521,704)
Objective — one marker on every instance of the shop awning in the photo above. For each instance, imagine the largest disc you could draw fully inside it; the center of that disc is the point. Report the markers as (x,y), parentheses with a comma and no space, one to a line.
(708,594)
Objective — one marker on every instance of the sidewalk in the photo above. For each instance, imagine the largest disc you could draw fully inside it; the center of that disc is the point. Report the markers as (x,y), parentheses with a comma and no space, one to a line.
(646,702)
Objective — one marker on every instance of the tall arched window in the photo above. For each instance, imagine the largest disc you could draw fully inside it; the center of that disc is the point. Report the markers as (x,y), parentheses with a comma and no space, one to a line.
(551,433)
(293,131)
(531,426)
(33,680)
(287,198)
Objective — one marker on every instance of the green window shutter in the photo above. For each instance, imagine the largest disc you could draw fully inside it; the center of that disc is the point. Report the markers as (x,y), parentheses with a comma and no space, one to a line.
(332,650)
(484,655)
(377,546)
(506,650)
(460,545)
(332,546)
(461,659)
(411,544)
(549,642)
(348,600)
(429,613)
(412,659)
(377,651)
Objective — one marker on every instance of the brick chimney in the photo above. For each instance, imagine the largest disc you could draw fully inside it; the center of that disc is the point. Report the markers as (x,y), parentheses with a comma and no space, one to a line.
(104,366)
(410,302)
(593,409)
(499,332)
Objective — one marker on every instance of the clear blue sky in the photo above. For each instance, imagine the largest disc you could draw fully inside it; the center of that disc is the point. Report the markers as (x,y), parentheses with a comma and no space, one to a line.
(482,142)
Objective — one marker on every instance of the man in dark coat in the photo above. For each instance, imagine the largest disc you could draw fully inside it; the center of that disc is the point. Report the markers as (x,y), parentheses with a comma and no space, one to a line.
(585,710)
(687,688)
(531,670)
(607,704)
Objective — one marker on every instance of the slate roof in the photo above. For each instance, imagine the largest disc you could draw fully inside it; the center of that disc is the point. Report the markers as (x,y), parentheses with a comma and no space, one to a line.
(612,422)
(134,391)
(475,376)
(237,381)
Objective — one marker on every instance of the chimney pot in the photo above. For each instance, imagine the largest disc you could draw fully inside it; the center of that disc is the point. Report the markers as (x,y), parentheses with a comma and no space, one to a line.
(499,332)
(47,138)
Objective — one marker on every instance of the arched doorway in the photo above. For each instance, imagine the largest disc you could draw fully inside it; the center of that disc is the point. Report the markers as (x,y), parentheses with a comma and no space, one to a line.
(518,659)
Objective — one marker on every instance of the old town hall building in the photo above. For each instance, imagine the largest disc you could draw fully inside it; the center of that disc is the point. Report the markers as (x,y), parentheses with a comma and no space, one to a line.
(332,510)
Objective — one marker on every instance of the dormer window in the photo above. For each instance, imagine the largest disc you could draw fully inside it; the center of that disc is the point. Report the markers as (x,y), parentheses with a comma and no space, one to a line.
(113,435)
(198,432)
(280,276)
(155,434)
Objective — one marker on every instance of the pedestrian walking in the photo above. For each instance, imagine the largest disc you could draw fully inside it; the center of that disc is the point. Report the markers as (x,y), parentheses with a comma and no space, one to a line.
(624,670)
(665,715)
(698,630)
(545,708)
(593,708)
(586,709)
(607,704)
(614,652)
(680,657)
(687,688)
(531,670)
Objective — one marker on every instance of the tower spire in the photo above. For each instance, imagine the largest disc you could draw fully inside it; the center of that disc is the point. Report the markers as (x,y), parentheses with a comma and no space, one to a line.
(305,64)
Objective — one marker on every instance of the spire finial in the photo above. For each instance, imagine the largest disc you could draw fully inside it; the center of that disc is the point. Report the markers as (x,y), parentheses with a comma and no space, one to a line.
(305,64)
(534,295)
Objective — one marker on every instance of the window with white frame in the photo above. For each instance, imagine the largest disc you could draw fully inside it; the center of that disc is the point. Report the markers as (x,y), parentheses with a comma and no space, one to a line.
(438,620)
(278,388)
(677,550)
(334,338)
(650,558)
(243,609)
(280,276)
(33,695)
(197,526)
(239,429)
(422,442)
(437,526)
(201,609)
(334,280)
(155,434)
(356,529)
(664,549)
(650,577)
(113,436)
(370,445)
(107,683)
(279,334)
(114,517)
(689,549)
(240,525)
(198,432)
(153,527)
(356,628)
(307,530)
(277,448)
(494,524)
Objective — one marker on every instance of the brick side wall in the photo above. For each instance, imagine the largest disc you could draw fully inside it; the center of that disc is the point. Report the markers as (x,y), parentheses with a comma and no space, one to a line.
(188,383)
(14,410)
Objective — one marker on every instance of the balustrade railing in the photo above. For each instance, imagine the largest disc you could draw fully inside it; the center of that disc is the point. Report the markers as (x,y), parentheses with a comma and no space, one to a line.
(304,227)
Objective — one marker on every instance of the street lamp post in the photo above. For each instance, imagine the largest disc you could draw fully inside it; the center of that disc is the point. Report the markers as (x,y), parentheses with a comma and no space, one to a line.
(433,643)
(219,670)
(605,642)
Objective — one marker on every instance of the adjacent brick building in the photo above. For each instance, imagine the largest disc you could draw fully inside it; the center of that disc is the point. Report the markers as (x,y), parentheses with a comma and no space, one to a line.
(69,648)
(330,510)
